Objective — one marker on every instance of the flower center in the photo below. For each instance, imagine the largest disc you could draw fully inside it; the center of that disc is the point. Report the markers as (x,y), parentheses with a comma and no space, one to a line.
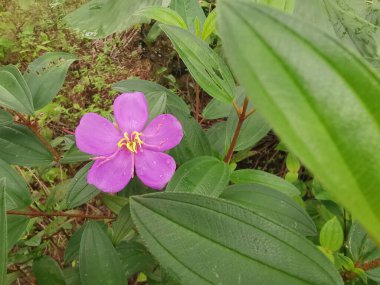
(133,143)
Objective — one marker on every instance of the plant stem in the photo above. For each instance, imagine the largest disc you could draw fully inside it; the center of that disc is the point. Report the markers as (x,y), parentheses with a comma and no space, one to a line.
(36,131)
(366,266)
(59,214)
(242,116)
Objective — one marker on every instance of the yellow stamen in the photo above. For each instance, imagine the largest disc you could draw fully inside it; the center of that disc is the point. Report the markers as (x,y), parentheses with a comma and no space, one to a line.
(132,143)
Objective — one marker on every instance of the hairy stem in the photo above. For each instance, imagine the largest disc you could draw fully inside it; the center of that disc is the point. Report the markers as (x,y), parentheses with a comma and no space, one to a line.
(242,116)
(366,266)
(59,214)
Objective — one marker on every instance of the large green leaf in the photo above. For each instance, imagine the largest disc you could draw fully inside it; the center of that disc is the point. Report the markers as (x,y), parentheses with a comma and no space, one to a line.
(5,118)
(194,143)
(99,263)
(3,233)
(205,240)
(324,103)
(352,30)
(80,191)
(12,93)
(204,175)
(273,205)
(204,64)
(100,18)
(174,104)
(19,145)
(191,12)
(47,271)
(16,228)
(18,195)
(46,75)
(266,179)
(163,15)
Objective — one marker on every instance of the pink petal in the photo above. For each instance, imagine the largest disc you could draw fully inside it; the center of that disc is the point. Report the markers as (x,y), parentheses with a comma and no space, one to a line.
(131,112)
(154,169)
(96,135)
(112,175)
(163,132)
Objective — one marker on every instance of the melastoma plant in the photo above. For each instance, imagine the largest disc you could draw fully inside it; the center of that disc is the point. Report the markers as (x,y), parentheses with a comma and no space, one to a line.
(219,218)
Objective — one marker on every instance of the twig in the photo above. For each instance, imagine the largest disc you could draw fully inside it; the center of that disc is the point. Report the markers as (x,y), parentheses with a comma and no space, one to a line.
(59,214)
(366,266)
(242,116)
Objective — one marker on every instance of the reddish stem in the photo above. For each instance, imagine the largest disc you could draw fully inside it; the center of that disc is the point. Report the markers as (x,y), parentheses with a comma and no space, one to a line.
(59,214)
(242,116)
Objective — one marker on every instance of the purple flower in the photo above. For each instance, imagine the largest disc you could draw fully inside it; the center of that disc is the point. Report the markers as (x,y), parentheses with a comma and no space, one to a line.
(128,147)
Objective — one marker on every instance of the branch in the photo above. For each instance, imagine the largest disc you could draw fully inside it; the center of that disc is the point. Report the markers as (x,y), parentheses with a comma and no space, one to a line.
(366,266)
(59,214)
(242,116)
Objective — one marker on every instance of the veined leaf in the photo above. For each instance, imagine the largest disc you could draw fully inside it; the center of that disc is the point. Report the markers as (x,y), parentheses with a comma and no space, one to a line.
(3,233)
(204,64)
(19,145)
(79,191)
(266,179)
(47,271)
(100,18)
(174,104)
(12,93)
(5,118)
(331,235)
(46,75)
(191,12)
(18,195)
(99,262)
(206,240)
(324,103)
(163,15)
(205,175)
(273,205)
(16,228)
(209,26)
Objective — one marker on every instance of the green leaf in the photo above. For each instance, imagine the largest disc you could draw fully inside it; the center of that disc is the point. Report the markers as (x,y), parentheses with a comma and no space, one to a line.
(134,257)
(16,228)
(252,131)
(292,163)
(122,226)
(79,191)
(331,235)
(3,233)
(205,240)
(99,263)
(73,246)
(114,203)
(46,75)
(100,18)
(156,103)
(284,5)
(204,64)
(193,144)
(47,271)
(266,179)
(18,195)
(74,155)
(217,138)
(12,93)
(163,15)
(19,145)
(209,26)
(174,104)
(190,11)
(216,110)
(361,246)
(352,30)
(273,205)
(313,115)
(5,118)
(203,175)
(72,276)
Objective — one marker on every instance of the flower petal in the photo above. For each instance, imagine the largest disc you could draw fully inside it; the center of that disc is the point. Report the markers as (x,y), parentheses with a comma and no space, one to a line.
(163,132)
(154,169)
(112,175)
(131,111)
(96,135)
